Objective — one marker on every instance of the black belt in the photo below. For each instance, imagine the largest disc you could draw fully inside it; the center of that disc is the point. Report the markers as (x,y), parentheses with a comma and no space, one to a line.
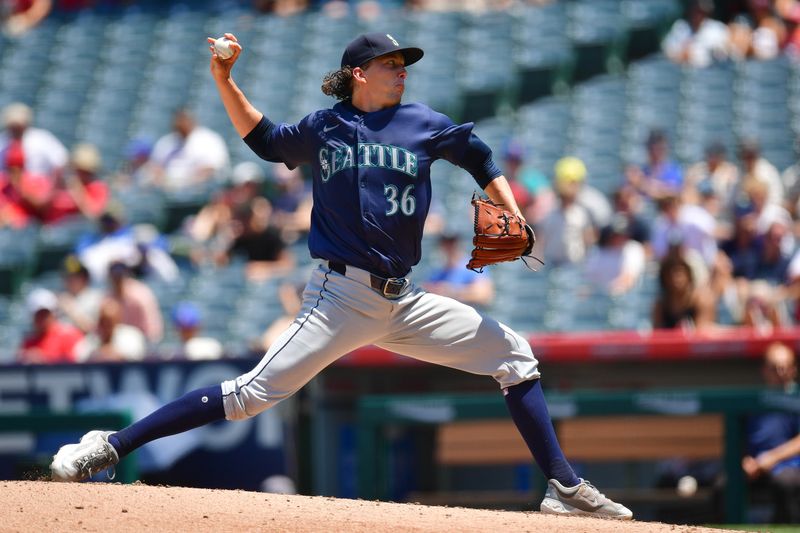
(388,287)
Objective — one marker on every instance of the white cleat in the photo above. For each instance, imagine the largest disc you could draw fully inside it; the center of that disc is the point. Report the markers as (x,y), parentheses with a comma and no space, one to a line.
(581,500)
(93,454)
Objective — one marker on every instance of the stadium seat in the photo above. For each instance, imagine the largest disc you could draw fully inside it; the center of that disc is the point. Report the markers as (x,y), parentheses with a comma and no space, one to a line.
(486,84)
(648,21)
(762,110)
(543,55)
(18,258)
(56,241)
(599,40)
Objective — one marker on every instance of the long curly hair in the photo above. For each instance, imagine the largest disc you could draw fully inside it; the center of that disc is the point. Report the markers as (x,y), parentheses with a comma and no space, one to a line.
(339,83)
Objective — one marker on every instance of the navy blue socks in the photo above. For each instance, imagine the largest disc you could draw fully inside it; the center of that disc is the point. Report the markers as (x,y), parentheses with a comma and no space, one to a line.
(528,409)
(200,407)
(193,409)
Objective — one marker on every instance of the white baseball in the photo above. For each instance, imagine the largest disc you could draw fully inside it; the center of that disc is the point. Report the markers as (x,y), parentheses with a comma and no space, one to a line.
(223,47)
(687,486)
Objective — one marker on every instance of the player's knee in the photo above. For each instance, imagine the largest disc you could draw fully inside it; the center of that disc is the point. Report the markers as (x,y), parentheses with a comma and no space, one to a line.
(522,348)
(238,409)
(521,364)
(243,401)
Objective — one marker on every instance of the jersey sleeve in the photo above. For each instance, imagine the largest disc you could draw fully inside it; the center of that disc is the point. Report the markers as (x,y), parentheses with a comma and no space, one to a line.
(457,144)
(448,141)
(290,144)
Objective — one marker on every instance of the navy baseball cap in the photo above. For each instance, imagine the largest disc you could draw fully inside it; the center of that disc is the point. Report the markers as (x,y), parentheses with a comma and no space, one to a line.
(371,45)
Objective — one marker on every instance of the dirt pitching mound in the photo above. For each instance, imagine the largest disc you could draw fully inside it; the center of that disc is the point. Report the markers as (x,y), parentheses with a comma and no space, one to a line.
(46,506)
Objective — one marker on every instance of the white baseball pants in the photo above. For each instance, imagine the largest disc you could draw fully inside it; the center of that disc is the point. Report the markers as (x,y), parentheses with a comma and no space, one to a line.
(342,312)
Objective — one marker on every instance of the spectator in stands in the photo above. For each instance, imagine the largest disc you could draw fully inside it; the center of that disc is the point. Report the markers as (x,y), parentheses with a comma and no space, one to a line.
(756,168)
(111,340)
(698,40)
(760,271)
(85,193)
(25,197)
(477,6)
(773,439)
(19,16)
(791,293)
(530,186)
(281,8)
(187,319)
(595,202)
(617,263)
(451,279)
(513,159)
(152,260)
(80,301)
(716,173)
(252,236)
(790,178)
(758,33)
(291,200)
(437,218)
(766,214)
(626,203)
(135,169)
(709,213)
(247,183)
(682,303)
(50,340)
(791,19)
(44,154)
(137,301)
(113,240)
(743,241)
(29,197)
(209,229)
(660,176)
(290,295)
(191,155)
(691,228)
(566,232)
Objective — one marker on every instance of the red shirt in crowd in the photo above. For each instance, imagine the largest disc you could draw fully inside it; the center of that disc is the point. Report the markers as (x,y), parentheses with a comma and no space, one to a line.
(57,204)
(96,195)
(15,210)
(55,345)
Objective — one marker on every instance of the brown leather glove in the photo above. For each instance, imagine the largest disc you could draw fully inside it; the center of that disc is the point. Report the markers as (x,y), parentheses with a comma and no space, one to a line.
(500,235)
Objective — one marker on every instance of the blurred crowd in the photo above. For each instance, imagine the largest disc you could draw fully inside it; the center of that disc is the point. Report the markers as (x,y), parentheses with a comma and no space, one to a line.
(719,235)
(760,29)
(19,16)
(721,232)
(106,310)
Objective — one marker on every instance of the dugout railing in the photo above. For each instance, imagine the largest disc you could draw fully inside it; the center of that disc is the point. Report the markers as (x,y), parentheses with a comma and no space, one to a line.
(377,412)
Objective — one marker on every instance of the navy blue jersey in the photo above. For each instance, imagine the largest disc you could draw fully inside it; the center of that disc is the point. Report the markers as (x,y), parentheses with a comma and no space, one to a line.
(371,178)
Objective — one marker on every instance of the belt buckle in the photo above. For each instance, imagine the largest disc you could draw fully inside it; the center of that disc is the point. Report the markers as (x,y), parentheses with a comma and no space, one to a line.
(393,287)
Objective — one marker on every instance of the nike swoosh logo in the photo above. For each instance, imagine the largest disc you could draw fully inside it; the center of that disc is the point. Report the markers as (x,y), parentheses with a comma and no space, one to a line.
(326,129)
(593,502)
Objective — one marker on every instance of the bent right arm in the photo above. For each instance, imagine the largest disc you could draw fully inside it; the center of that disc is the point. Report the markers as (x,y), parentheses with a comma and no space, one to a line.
(244,116)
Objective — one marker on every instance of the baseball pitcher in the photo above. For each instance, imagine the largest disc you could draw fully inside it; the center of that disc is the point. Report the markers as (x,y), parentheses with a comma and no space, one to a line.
(370,158)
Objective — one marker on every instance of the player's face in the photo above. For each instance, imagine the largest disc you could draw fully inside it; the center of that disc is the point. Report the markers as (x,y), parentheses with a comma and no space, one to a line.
(386,78)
